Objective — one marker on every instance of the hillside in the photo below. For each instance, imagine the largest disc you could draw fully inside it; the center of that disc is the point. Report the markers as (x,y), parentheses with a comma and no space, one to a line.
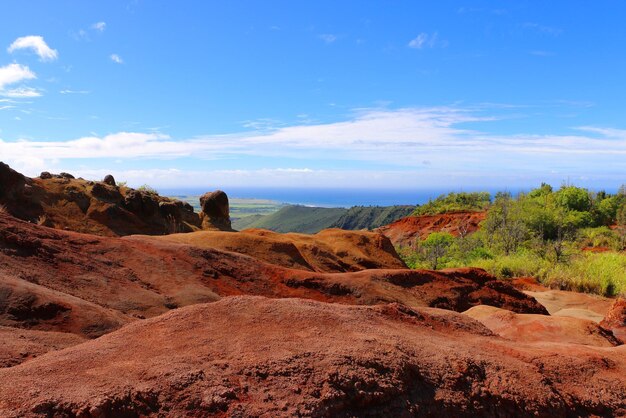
(310,220)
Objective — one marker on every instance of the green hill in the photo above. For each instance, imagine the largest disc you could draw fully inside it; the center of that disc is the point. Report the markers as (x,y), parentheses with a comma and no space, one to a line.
(370,217)
(309,220)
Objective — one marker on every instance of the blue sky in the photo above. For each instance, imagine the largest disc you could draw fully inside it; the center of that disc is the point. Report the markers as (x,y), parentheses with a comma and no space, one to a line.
(401,94)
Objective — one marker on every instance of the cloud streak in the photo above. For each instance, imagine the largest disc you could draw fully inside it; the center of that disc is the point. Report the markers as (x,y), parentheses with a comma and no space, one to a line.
(401,138)
(35,44)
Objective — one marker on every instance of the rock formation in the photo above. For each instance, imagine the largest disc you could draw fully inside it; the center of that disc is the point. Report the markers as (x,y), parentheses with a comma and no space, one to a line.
(92,207)
(108,179)
(215,211)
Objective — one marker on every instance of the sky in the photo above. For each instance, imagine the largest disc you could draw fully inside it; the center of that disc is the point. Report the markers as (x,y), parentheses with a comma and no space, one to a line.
(453,95)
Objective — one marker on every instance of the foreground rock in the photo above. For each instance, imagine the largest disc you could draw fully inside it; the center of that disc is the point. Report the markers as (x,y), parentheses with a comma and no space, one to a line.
(251,356)
(404,232)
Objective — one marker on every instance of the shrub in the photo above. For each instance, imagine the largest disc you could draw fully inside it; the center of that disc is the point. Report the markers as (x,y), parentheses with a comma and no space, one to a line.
(147,189)
(454,202)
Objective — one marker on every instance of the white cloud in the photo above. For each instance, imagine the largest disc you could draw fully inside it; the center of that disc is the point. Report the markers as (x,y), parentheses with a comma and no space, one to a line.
(424,40)
(68,91)
(99,26)
(116,59)
(402,138)
(14,73)
(37,45)
(329,38)
(21,92)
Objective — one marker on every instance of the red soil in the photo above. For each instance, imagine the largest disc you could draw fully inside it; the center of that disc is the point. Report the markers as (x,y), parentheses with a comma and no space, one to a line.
(404,232)
(251,356)
(331,250)
(615,319)
(542,328)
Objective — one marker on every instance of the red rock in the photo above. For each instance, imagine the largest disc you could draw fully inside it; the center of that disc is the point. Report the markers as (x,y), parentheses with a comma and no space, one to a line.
(251,356)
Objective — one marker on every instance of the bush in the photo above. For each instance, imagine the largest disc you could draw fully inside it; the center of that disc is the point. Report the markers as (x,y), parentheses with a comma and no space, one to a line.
(455,202)
(147,189)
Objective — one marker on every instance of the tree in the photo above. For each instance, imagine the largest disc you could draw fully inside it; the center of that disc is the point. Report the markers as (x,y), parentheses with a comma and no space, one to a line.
(436,247)
(504,226)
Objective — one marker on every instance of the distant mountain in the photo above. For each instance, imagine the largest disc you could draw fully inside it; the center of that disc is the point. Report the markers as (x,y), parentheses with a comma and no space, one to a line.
(310,220)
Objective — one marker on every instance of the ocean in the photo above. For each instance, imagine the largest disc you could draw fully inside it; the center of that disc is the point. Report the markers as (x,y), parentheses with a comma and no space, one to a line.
(329,197)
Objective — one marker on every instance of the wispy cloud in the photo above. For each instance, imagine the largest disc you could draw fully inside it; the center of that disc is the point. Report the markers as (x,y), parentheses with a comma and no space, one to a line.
(541,53)
(329,38)
(401,137)
(547,30)
(425,40)
(116,59)
(68,91)
(21,92)
(99,26)
(37,44)
(16,73)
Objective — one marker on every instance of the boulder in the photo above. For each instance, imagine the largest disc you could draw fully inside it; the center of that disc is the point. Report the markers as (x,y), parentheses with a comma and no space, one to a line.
(215,211)
(45,175)
(108,179)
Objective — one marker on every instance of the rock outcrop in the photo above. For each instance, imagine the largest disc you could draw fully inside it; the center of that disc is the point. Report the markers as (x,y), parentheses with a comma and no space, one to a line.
(100,208)
(215,211)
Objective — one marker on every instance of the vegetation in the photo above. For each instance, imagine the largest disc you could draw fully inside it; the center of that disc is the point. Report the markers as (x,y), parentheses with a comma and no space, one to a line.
(147,189)
(370,217)
(542,234)
(305,219)
(455,202)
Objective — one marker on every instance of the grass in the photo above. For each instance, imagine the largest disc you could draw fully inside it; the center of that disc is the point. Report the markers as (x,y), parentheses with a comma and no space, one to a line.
(600,273)
(3,209)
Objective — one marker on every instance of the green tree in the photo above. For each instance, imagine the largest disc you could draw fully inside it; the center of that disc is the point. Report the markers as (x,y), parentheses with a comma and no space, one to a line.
(436,247)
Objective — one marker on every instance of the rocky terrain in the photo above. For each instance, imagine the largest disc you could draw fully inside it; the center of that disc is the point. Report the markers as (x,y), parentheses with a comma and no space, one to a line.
(404,232)
(103,207)
(98,322)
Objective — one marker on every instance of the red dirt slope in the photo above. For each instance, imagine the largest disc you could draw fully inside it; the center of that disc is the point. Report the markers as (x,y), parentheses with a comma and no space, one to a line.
(542,328)
(251,356)
(405,231)
(615,319)
(331,250)
(88,285)
(19,345)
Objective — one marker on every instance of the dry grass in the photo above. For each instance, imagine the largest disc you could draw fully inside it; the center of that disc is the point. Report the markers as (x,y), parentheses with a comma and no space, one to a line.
(3,209)
(42,220)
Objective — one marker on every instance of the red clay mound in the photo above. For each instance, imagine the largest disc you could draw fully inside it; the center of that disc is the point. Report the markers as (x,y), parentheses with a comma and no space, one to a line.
(404,232)
(251,356)
(331,250)
(31,306)
(542,328)
(144,276)
(19,345)
(615,319)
